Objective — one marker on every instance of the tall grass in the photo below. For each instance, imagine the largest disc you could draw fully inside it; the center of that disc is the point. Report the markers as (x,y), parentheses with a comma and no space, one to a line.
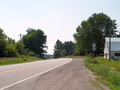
(107,71)
(14,60)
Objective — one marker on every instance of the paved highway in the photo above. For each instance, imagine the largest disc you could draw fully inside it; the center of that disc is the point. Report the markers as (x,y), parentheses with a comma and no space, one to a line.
(17,73)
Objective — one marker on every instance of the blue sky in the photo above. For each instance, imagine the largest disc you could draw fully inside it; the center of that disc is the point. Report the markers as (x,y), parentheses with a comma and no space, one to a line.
(57,18)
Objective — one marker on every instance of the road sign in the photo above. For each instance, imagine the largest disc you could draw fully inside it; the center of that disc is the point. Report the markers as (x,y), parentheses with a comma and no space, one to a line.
(93,49)
(93,45)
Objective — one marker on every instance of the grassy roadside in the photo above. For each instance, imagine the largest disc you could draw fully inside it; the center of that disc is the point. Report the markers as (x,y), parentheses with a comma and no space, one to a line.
(71,56)
(15,60)
(108,72)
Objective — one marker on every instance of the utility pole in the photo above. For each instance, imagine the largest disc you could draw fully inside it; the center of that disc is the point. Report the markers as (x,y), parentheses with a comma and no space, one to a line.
(110,43)
(21,44)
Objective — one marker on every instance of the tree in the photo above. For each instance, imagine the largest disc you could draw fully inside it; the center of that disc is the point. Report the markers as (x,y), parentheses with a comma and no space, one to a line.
(76,51)
(10,40)
(68,46)
(94,29)
(8,47)
(63,53)
(3,43)
(18,47)
(31,53)
(61,48)
(35,40)
(58,48)
(11,51)
(30,30)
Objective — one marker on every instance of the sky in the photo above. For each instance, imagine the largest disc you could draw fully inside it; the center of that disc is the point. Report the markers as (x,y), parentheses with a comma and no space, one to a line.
(57,18)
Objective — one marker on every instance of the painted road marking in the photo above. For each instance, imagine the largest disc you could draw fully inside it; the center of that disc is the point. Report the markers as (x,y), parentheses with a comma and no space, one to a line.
(33,76)
(26,67)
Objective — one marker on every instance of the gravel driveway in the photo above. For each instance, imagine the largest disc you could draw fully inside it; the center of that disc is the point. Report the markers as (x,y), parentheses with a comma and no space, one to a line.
(71,76)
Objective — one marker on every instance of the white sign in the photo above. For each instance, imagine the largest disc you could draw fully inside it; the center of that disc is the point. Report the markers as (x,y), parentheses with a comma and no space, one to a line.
(93,49)
(93,45)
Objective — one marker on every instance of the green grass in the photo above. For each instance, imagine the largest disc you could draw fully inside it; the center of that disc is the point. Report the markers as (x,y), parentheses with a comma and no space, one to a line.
(14,60)
(109,72)
(71,56)
(96,85)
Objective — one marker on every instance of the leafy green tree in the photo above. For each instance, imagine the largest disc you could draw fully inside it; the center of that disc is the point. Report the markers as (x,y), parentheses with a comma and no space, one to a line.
(55,54)
(30,30)
(3,43)
(66,47)
(11,51)
(35,41)
(76,51)
(18,47)
(58,48)
(26,51)
(10,41)
(69,47)
(94,29)
(63,53)
(8,47)
(31,53)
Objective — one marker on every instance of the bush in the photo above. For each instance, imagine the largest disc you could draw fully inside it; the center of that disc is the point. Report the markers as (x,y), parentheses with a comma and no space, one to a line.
(11,51)
(23,57)
(31,53)
(91,60)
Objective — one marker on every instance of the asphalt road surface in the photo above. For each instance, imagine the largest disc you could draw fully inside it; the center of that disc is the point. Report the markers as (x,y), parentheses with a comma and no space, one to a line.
(13,75)
(54,74)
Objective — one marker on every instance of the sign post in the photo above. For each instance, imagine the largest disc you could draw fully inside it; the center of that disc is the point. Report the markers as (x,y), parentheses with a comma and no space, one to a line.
(94,49)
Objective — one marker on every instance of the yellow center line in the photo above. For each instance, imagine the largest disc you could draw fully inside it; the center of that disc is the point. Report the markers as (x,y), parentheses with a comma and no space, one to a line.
(26,67)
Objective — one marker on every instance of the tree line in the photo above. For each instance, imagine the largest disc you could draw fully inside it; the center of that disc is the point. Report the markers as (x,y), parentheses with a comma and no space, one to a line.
(33,43)
(92,30)
(63,49)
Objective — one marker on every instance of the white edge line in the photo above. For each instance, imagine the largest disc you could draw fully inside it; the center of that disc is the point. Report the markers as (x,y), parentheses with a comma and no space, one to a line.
(33,76)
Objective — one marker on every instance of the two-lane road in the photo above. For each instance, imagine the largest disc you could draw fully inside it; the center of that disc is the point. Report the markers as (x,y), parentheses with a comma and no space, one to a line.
(17,73)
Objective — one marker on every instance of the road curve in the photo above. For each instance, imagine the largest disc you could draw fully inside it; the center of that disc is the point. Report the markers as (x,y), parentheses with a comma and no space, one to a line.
(10,75)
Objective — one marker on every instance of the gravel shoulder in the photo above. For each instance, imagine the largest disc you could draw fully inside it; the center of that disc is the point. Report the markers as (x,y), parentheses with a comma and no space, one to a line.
(71,76)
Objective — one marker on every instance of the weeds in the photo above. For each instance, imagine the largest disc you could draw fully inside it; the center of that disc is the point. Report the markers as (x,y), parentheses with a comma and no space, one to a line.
(20,59)
(108,71)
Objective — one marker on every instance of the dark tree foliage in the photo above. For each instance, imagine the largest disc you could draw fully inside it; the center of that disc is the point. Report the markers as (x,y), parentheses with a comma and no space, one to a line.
(7,46)
(35,40)
(63,49)
(3,43)
(58,48)
(69,46)
(18,47)
(94,29)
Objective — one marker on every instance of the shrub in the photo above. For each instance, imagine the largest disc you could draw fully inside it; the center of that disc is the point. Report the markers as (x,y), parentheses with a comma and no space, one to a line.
(11,51)
(23,57)
(31,53)
(107,70)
